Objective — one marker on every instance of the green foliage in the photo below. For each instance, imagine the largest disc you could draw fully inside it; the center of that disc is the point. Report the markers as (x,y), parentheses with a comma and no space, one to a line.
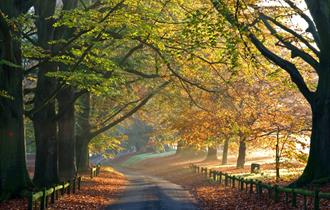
(29,136)
(140,157)
(10,64)
(106,145)
(182,41)
(5,94)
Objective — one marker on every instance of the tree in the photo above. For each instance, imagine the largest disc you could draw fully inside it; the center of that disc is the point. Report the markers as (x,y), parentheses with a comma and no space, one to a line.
(66,100)
(212,153)
(44,110)
(138,134)
(83,128)
(224,159)
(316,56)
(73,60)
(13,172)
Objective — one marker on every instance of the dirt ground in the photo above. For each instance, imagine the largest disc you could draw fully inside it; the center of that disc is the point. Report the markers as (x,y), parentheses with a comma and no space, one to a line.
(96,193)
(211,195)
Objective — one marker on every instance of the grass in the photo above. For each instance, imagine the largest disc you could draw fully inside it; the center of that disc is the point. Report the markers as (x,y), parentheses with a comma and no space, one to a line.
(140,157)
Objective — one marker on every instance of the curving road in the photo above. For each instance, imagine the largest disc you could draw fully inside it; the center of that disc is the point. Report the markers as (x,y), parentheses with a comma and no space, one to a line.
(151,193)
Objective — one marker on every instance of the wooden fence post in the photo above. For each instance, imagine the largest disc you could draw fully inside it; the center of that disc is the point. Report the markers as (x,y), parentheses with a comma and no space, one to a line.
(43,200)
(294,198)
(30,201)
(52,198)
(98,169)
(305,202)
(62,190)
(79,182)
(220,177)
(276,194)
(69,188)
(258,189)
(74,185)
(286,197)
(242,183)
(251,186)
(57,194)
(270,192)
(246,185)
(316,199)
(233,178)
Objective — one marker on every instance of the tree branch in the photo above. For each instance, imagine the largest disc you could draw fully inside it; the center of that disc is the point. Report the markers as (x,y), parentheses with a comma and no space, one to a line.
(295,50)
(118,111)
(284,64)
(311,26)
(192,98)
(128,114)
(289,67)
(176,74)
(295,34)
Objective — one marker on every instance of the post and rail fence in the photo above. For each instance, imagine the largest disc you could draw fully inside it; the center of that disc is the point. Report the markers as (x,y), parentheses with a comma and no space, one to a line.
(257,187)
(42,198)
(95,171)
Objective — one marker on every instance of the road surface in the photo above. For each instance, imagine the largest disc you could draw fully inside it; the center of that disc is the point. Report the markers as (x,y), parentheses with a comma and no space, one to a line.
(149,193)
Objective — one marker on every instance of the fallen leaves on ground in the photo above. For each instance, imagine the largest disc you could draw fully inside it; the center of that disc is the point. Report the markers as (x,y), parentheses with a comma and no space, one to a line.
(14,204)
(96,193)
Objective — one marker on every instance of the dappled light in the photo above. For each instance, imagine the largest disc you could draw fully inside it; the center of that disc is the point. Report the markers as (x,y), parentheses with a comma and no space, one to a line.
(164,104)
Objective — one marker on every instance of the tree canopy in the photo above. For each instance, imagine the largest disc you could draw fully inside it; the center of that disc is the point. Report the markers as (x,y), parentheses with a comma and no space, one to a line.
(197,72)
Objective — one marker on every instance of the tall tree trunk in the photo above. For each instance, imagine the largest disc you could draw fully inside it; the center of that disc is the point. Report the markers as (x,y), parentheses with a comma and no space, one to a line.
(66,110)
(66,134)
(318,166)
(211,153)
(225,152)
(83,131)
(179,148)
(82,154)
(45,129)
(44,116)
(183,149)
(187,150)
(241,153)
(277,155)
(13,172)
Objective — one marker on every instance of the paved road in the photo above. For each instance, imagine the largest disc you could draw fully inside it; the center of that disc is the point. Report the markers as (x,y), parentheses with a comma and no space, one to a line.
(149,193)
